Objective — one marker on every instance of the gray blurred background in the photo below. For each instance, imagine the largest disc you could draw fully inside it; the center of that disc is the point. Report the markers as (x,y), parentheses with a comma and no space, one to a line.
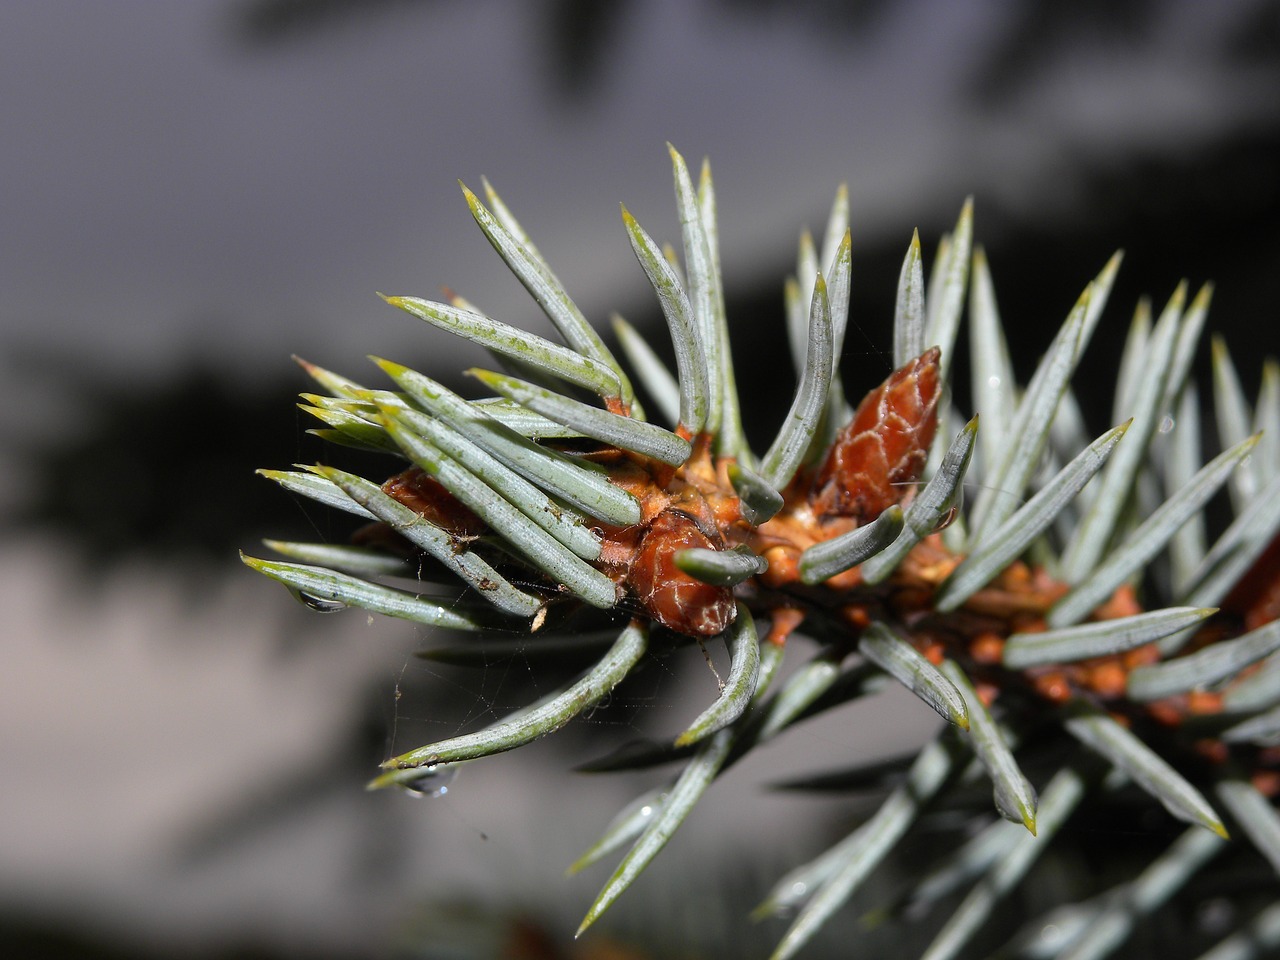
(191,191)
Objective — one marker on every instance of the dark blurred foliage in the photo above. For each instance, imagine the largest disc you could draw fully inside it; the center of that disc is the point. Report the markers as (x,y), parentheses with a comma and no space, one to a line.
(1037,30)
(578,34)
(1208,215)
(1256,38)
(454,930)
(160,468)
(276,21)
(35,938)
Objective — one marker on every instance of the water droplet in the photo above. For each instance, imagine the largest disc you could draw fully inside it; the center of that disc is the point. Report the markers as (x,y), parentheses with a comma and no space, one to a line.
(993,382)
(639,811)
(1049,932)
(1167,423)
(319,604)
(432,781)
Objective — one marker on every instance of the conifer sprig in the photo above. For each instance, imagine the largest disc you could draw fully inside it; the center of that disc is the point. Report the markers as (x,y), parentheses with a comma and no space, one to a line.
(1073,604)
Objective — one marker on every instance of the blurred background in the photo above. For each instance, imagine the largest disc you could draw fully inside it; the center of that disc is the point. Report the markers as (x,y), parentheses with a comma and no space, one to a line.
(193,191)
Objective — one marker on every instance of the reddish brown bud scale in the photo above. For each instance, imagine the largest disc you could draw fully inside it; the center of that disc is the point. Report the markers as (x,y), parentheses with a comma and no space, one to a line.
(786,620)
(1053,686)
(1143,656)
(425,495)
(1215,751)
(884,447)
(1204,702)
(1108,679)
(987,648)
(1266,782)
(674,515)
(1122,603)
(1168,712)
(988,693)
(1256,598)
(668,594)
